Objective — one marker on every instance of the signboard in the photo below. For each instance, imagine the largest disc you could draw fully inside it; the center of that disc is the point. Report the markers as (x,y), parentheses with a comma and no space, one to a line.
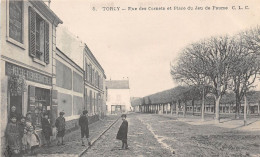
(30,75)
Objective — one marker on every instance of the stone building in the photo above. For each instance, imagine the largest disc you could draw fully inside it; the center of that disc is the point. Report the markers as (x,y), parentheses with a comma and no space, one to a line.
(118,96)
(95,92)
(76,66)
(28,45)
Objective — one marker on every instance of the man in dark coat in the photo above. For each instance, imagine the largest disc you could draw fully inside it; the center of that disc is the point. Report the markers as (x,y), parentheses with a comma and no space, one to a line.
(122,132)
(46,128)
(83,123)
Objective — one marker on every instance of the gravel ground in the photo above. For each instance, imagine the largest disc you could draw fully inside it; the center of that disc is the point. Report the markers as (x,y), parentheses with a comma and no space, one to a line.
(72,140)
(164,135)
(156,135)
(140,140)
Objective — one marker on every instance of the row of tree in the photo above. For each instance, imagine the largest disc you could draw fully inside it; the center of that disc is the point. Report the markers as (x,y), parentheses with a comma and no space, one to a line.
(219,64)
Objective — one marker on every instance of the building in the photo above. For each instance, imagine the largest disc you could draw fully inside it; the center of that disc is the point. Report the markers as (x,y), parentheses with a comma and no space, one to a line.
(95,94)
(136,102)
(28,47)
(76,66)
(69,86)
(118,96)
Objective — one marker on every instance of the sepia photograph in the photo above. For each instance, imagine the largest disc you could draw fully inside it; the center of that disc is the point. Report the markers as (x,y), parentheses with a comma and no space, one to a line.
(130,78)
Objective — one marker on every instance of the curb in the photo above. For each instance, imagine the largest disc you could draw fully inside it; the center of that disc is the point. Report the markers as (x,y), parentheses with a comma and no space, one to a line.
(93,142)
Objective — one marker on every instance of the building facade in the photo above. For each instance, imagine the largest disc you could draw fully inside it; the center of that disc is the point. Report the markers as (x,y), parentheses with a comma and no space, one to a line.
(80,79)
(69,86)
(95,95)
(28,47)
(118,96)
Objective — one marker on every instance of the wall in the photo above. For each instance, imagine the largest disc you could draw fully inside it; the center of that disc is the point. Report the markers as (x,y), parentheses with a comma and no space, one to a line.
(69,80)
(21,55)
(70,45)
(95,106)
(113,99)
(18,54)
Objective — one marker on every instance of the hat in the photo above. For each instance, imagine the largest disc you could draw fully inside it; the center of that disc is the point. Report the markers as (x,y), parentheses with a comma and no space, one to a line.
(85,112)
(62,113)
(123,115)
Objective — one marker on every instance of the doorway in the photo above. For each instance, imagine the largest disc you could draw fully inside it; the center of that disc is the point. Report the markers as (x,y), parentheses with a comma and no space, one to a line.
(17,101)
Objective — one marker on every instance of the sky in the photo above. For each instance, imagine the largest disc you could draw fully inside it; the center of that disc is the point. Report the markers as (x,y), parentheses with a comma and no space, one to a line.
(141,45)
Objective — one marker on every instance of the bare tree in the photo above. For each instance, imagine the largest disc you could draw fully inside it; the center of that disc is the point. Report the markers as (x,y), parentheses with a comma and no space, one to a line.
(209,59)
(190,69)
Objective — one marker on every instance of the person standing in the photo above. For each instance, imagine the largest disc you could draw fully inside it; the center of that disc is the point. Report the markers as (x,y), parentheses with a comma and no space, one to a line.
(46,128)
(13,136)
(122,132)
(22,127)
(60,125)
(13,113)
(83,123)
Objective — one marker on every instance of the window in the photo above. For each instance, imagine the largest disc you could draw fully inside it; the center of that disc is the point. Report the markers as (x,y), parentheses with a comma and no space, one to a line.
(93,75)
(90,101)
(98,84)
(90,73)
(38,37)
(15,23)
(86,72)
(96,79)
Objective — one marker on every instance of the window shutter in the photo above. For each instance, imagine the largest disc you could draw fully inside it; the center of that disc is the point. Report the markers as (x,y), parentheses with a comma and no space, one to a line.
(47,45)
(32,32)
(86,71)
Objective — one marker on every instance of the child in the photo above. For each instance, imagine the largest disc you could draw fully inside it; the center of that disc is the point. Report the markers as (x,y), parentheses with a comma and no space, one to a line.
(13,136)
(83,123)
(13,112)
(32,139)
(46,128)
(60,125)
(22,126)
(122,132)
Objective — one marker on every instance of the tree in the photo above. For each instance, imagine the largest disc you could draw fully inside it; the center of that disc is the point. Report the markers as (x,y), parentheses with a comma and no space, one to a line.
(207,60)
(246,64)
(190,69)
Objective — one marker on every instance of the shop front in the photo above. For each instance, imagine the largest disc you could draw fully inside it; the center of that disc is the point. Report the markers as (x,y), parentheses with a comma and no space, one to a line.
(29,91)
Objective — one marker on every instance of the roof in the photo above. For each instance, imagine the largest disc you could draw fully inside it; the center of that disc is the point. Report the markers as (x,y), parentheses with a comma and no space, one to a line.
(117,84)
(45,10)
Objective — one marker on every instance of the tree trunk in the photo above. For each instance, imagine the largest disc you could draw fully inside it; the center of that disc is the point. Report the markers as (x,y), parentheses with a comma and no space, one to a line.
(258,108)
(238,104)
(203,104)
(177,108)
(217,118)
(171,107)
(214,109)
(184,109)
(192,106)
(245,108)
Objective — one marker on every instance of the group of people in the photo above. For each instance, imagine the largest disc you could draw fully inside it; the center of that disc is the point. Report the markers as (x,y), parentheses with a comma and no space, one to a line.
(83,123)
(22,137)
(20,133)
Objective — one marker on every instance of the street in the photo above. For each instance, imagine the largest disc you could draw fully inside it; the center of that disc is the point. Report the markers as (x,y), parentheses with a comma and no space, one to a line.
(157,135)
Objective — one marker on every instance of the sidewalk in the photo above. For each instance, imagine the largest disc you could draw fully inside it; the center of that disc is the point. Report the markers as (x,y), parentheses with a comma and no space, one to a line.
(72,147)
(253,124)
